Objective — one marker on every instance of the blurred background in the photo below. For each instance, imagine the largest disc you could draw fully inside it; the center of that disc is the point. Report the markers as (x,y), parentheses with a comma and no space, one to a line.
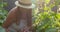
(10,4)
(45,16)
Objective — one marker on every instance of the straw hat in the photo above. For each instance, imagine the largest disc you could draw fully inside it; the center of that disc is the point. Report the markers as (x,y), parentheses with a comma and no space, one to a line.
(25,1)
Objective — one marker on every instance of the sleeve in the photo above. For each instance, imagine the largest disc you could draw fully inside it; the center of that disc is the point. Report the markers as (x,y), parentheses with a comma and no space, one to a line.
(29,21)
(11,17)
(29,15)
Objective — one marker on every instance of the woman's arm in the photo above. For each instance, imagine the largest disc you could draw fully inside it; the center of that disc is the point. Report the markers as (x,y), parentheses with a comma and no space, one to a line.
(10,18)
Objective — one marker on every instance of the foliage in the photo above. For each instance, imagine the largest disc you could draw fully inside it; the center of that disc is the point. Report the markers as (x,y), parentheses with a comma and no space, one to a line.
(57,2)
(47,21)
(3,12)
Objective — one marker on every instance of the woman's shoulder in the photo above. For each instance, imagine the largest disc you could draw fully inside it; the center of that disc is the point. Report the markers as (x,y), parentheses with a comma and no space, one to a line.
(13,10)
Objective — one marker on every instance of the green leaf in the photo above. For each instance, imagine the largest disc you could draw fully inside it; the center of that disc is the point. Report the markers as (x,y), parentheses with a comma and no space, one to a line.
(51,30)
(47,1)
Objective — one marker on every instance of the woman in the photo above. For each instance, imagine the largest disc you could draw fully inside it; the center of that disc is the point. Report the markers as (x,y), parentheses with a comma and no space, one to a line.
(19,19)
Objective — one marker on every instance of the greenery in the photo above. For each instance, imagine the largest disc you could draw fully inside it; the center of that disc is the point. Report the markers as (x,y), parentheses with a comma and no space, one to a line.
(47,21)
(3,14)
